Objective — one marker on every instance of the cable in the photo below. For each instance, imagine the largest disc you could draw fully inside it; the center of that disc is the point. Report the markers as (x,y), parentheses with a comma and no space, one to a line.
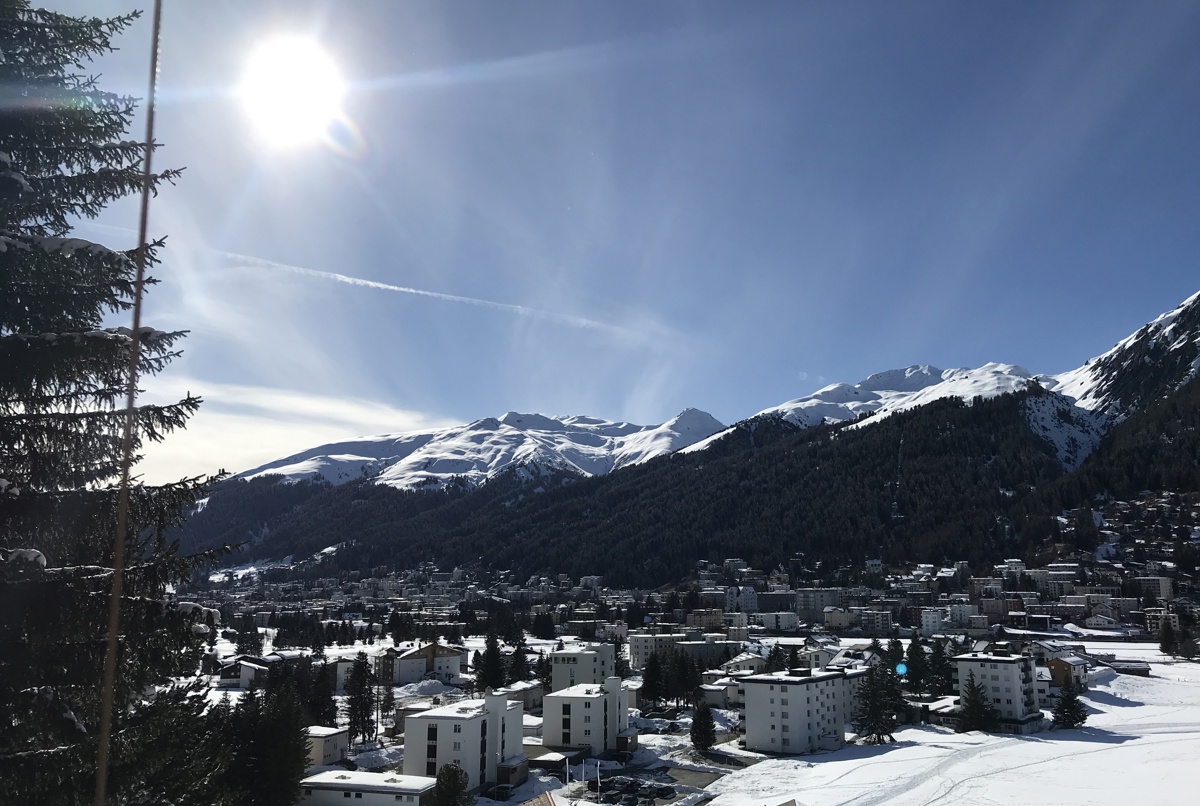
(114,605)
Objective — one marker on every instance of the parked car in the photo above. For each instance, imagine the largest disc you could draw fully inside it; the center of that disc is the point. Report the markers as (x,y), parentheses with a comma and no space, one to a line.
(665,792)
(499,792)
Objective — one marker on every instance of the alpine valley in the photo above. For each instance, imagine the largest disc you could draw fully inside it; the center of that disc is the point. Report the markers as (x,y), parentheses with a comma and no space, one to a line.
(975,464)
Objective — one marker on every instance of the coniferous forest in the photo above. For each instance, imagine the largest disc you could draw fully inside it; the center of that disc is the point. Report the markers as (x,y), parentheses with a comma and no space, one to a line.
(947,481)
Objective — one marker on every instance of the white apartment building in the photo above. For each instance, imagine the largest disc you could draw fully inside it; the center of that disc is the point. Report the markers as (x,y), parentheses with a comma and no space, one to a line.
(800,710)
(1010,684)
(961,613)
(643,645)
(581,664)
(326,745)
(592,717)
(876,622)
(1160,587)
(934,619)
(482,736)
(779,622)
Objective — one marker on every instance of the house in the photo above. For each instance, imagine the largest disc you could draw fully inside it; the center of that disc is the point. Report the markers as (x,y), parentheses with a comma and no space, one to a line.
(800,710)
(1010,683)
(1072,667)
(745,662)
(1043,685)
(404,665)
(483,736)
(581,664)
(594,718)
(242,672)
(326,745)
(336,786)
(527,692)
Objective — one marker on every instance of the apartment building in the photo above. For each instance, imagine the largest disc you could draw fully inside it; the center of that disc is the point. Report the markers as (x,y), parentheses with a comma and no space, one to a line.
(581,664)
(1010,683)
(588,716)
(483,736)
(800,710)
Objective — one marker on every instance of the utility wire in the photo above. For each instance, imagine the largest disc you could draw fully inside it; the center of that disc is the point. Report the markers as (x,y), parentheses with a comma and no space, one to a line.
(114,605)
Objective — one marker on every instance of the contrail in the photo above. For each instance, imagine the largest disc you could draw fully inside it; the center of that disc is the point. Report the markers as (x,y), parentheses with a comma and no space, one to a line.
(248,261)
(235,260)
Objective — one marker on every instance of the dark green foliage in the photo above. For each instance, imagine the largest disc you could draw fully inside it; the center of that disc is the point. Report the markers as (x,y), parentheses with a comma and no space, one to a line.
(894,653)
(941,670)
(360,699)
(653,679)
(543,626)
(874,717)
(917,661)
(62,386)
(776,659)
(1168,644)
(265,733)
(704,730)
(1070,711)
(1187,647)
(976,711)
(249,639)
(543,670)
(491,672)
(518,665)
(451,788)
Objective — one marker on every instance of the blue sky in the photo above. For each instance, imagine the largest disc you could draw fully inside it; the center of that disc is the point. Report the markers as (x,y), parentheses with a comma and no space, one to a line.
(657,205)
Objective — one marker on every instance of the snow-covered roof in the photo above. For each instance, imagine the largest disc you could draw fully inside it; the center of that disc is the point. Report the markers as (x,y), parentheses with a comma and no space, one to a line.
(369,781)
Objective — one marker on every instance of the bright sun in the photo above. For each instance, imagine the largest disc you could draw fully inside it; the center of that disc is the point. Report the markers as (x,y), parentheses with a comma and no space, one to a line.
(292,91)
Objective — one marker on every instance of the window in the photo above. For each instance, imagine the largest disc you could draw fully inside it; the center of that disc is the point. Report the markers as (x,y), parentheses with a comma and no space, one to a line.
(772,728)
(430,768)
(785,728)
(772,713)
(786,742)
(587,733)
(307,791)
(783,701)
(587,718)
(458,745)
(772,701)
(458,728)
(587,704)
(783,715)
(783,688)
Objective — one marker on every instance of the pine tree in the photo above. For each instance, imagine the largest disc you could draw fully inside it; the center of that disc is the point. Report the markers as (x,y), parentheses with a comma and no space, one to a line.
(976,711)
(1187,647)
(62,390)
(387,701)
(544,671)
(917,662)
(360,699)
(874,717)
(704,730)
(653,683)
(776,659)
(491,673)
(452,787)
(1168,644)
(1070,711)
(518,665)
(894,653)
(941,673)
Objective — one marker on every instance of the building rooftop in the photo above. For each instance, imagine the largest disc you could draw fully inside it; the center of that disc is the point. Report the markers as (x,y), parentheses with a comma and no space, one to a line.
(369,781)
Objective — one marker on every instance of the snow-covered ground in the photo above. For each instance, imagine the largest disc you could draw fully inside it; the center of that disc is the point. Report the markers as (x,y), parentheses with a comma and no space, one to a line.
(1139,746)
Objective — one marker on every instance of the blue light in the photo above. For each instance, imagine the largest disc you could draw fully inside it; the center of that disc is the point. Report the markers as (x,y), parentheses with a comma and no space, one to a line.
(901,669)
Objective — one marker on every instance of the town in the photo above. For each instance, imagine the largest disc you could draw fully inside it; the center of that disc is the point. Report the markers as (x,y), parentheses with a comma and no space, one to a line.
(523,687)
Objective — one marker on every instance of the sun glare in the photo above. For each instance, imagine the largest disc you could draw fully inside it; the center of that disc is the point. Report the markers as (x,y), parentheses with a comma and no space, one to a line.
(292,91)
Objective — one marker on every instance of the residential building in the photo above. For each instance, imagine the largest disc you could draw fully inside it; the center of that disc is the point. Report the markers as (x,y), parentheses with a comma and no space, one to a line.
(578,664)
(588,716)
(811,602)
(780,622)
(417,662)
(798,711)
(876,622)
(1010,684)
(326,745)
(642,645)
(377,788)
(1159,587)
(483,736)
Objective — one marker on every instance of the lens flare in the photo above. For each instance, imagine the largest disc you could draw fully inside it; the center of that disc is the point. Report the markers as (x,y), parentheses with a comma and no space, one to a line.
(292,91)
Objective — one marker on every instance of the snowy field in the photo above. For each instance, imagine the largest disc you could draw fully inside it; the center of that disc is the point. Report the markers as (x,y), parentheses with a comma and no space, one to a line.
(1141,745)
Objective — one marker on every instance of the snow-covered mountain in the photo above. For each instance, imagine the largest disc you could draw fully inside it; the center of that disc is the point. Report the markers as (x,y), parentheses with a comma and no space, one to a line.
(478,451)
(1078,407)
(1082,404)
